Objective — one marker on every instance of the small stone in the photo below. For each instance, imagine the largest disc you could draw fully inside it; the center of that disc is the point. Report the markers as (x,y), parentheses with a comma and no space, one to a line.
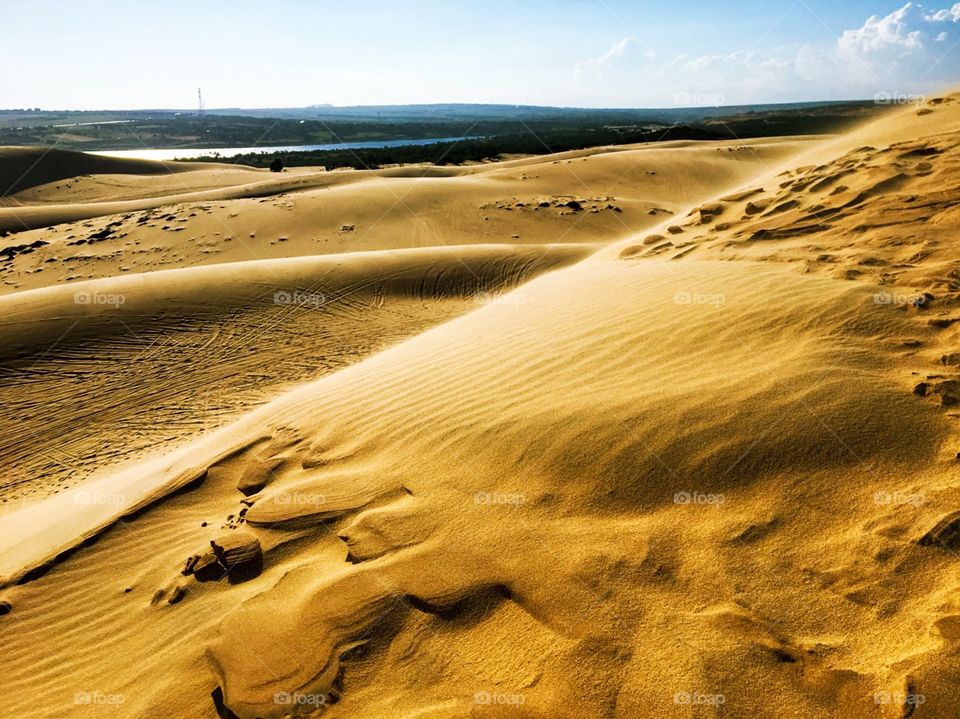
(949,392)
(208,568)
(240,553)
(256,475)
(945,533)
(236,548)
(177,595)
(922,301)
(710,210)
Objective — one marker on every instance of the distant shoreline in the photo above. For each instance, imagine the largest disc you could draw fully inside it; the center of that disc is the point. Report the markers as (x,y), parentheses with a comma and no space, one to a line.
(163,154)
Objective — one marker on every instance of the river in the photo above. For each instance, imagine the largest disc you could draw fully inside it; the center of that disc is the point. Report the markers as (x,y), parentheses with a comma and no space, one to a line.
(185,153)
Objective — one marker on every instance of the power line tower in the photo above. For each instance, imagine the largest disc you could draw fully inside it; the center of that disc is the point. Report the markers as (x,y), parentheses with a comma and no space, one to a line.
(202,112)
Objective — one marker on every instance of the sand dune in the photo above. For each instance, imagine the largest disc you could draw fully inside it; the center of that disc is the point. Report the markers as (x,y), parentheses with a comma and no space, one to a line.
(103,227)
(28,167)
(158,358)
(708,469)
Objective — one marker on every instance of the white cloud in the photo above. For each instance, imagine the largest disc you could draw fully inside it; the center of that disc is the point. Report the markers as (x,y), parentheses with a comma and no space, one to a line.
(949,15)
(882,33)
(892,53)
(598,64)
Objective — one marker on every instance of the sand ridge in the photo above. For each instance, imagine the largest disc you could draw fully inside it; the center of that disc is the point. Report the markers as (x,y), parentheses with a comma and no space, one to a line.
(93,229)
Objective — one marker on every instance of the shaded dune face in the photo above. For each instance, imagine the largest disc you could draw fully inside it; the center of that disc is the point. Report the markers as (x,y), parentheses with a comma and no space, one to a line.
(23,168)
(565,493)
(170,359)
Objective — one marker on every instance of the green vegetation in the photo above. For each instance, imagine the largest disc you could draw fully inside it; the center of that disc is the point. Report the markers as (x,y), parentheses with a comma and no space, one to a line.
(549,136)
(191,131)
(463,151)
(515,127)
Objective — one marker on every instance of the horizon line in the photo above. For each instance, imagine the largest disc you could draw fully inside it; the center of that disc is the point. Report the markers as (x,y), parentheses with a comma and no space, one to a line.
(191,110)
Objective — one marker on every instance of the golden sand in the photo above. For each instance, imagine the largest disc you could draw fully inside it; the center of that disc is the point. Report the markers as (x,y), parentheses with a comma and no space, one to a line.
(654,431)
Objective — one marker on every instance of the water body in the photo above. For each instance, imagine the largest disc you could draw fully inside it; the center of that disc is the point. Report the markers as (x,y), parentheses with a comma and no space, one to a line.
(91,124)
(183,153)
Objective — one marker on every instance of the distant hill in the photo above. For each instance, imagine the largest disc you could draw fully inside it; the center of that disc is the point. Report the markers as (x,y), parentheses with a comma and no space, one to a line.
(500,112)
(326,124)
(435,112)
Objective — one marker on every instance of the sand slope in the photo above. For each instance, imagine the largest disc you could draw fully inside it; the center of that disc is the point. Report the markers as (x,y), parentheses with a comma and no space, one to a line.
(103,225)
(103,371)
(709,470)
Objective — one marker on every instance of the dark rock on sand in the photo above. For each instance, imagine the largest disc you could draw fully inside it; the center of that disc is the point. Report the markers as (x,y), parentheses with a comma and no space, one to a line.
(945,533)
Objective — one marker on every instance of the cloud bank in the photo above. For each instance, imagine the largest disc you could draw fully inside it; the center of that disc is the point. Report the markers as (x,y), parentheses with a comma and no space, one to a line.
(909,51)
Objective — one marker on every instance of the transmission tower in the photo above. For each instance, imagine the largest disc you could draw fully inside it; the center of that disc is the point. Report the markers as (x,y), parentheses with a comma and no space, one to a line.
(202,112)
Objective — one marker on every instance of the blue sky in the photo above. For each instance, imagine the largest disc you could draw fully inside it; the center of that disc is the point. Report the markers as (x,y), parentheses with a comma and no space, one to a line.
(615,53)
